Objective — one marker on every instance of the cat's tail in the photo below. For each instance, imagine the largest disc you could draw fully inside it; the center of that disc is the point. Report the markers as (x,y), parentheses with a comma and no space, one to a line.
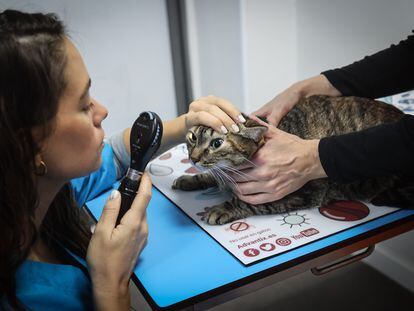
(402,197)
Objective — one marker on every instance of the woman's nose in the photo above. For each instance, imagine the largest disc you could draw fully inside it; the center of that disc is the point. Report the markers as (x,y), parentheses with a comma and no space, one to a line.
(100,112)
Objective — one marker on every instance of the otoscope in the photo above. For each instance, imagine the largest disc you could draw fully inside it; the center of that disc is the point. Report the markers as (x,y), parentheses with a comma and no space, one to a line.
(145,139)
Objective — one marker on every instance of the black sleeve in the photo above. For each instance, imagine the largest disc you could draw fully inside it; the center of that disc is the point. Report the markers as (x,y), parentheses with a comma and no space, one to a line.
(387,72)
(382,150)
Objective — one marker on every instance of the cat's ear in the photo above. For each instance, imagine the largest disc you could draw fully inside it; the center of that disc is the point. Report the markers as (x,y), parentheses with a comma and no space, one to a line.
(252,130)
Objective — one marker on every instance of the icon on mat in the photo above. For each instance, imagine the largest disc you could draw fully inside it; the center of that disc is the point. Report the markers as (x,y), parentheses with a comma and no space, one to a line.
(192,170)
(294,220)
(160,170)
(239,226)
(166,156)
(251,252)
(283,241)
(345,210)
(309,232)
(268,247)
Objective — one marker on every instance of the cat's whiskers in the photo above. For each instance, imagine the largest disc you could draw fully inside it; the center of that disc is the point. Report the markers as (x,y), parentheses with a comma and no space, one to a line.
(221,183)
(222,179)
(227,176)
(248,161)
(236,171)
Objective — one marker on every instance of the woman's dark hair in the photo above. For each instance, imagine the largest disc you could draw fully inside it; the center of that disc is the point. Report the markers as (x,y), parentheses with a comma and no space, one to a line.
(32,79)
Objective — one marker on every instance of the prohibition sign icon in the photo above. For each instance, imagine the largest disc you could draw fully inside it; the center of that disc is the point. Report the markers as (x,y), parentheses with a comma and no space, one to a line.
(239,226)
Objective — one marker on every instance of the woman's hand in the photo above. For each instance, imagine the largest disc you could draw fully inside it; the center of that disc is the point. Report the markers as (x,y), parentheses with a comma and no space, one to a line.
(283,165)
(215,112)
(212,111)
(113,251)
(279,106)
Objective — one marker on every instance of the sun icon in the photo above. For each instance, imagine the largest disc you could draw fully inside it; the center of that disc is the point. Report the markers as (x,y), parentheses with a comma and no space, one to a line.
(294,219)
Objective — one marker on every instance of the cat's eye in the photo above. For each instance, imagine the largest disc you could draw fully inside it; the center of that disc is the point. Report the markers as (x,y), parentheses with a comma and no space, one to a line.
(192,137)
(216,143)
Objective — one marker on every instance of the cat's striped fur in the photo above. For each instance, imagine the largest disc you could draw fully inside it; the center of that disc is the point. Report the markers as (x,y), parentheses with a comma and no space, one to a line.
(311,118)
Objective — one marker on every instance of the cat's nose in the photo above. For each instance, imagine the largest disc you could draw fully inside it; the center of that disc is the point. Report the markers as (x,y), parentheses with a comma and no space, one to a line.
(195,160)
(196,157)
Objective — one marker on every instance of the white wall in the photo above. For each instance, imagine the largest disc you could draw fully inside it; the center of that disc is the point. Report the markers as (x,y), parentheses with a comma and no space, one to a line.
(278,42)
(126,49)
(215,48)
(270,32)
(335,33)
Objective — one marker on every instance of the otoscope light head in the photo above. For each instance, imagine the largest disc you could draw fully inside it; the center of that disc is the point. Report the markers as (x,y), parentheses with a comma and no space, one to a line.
(145,139)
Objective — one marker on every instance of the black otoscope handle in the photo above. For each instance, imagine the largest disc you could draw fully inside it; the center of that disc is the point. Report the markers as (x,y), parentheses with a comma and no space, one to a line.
(127,195)
(145,139)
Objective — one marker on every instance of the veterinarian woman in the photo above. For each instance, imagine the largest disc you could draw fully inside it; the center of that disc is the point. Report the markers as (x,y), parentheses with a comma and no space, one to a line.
(287,162)
(50,133)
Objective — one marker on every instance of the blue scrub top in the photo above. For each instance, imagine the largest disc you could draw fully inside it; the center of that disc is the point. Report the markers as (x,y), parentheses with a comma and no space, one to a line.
(45,286)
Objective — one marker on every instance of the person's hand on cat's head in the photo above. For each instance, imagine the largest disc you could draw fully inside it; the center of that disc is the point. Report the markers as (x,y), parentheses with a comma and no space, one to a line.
(215,112)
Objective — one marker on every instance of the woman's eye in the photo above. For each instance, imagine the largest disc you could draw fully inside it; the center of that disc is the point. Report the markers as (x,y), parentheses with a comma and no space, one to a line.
(87,107)
(216,143)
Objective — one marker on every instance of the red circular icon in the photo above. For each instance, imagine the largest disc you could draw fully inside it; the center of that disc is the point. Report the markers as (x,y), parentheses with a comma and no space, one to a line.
(251,252)
(165,156)
(345,210)
(239,226)
(283,241)
(267,247)
(192,170)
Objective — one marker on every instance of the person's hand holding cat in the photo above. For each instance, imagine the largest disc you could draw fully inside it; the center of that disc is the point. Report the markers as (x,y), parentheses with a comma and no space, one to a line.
(279,106)
(283,165)
(286,162)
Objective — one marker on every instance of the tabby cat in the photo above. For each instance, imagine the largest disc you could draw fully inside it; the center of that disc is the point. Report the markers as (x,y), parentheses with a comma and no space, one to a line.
(311,118)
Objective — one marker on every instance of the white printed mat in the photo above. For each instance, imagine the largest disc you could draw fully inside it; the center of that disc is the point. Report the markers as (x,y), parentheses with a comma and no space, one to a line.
(258,237)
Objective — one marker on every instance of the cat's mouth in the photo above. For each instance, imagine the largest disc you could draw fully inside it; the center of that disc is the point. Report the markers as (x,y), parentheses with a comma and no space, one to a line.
(222,164)
(201,167)
(205,165)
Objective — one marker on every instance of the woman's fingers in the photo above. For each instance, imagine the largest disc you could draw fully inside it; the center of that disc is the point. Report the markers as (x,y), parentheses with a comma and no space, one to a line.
(110,213)
(224,111)
(263,192)
(242,175)
(263,111)
(251,187)
(137,213)
(259,198)
(224,105)
(207,119)
(224,118)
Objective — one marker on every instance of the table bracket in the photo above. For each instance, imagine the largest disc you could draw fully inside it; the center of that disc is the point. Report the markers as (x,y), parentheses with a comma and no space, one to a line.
(341,263)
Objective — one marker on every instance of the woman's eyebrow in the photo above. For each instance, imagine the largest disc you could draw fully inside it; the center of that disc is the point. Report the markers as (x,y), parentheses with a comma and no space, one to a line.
(88,85)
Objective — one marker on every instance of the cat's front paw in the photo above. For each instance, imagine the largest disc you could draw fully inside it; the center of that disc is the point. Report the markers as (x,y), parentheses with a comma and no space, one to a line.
(185,182)
(218,215)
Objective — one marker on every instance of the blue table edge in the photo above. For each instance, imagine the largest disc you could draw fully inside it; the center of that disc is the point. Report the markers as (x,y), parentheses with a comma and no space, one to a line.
(289,258)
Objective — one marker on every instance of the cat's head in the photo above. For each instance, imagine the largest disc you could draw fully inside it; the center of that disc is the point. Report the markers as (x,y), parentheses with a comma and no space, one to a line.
(208,148)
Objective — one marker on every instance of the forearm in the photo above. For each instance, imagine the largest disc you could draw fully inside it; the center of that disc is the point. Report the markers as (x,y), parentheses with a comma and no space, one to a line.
(173,134)
(383,150)
(112,300)
(317,85)
(315,169)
